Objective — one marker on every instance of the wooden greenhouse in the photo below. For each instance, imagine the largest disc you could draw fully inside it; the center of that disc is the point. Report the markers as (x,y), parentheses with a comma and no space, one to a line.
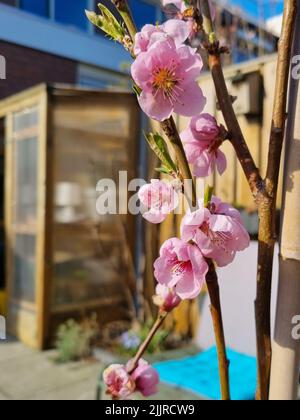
(62,259)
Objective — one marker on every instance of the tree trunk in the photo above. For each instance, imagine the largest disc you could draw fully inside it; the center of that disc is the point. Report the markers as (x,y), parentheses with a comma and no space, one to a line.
(286,347)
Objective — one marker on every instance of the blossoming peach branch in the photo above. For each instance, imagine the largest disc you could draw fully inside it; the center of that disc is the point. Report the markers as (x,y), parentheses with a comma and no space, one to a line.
(165,71)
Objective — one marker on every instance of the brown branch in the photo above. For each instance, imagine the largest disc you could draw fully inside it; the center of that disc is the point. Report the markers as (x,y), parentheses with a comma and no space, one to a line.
(170,129)
(216,312)
(236,136)
(280,101)
(225,101)
(157,325)
(265,192)
(267,204)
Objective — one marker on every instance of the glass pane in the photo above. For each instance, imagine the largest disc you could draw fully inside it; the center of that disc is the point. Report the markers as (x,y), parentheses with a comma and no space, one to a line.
(2,258)
(92,142)
(26,179)
(24,267)
(143,12)
(71,12)
(37,7)
(25,136)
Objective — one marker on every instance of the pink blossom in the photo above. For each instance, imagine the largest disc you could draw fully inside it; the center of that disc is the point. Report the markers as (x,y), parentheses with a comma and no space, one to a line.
(167,77)
(199,139)
(218,231)
(160,198)
(120,385)
(203,128)
(166,298)
(179,31)
(181,267)
(146,378)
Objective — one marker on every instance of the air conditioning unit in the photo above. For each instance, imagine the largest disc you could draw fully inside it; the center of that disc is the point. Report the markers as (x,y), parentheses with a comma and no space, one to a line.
(249,91)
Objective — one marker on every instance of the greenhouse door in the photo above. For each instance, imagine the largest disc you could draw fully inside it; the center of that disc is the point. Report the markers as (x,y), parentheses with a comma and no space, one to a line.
(25,153)
(2,232)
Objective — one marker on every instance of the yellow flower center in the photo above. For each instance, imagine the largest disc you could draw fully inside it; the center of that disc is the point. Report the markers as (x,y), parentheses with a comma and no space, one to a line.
(166,81)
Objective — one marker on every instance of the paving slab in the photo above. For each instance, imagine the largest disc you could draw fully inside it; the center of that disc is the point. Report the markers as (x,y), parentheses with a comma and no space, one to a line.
(3,397)
(30,375)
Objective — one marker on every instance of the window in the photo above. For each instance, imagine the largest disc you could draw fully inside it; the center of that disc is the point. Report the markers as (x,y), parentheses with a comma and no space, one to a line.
(143,12)
(71,13)
(37,7)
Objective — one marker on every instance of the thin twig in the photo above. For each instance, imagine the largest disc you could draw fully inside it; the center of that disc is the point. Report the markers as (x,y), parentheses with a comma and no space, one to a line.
(216,312)
(170,129)
(157,325)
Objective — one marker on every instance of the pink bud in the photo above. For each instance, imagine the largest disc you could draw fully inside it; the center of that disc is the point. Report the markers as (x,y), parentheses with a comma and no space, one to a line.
(146,378)
(166,298)
(120,384)
(201,146)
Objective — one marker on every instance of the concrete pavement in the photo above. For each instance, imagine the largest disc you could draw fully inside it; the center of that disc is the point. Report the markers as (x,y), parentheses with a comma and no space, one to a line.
(26,374)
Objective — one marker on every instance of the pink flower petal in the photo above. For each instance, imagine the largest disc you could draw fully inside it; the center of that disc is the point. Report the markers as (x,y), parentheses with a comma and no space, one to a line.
(155,217)
(219,235)
(191,102)
(182,268)
(193,150)
(179,30)
(156,107)
(221,162)
(188,287)
(191,62)
(203,166)
(166,76)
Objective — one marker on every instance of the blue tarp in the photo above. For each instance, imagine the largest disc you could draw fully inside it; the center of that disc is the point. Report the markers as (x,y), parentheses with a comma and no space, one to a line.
(259,8)
(199,374)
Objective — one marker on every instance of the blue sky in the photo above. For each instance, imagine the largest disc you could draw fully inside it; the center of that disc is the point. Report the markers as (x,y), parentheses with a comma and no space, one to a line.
(270,7)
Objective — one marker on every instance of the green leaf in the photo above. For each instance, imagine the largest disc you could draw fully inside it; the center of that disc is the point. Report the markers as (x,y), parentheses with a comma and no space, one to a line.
(208,195)
(163,170)
(136,89)
(160,148)
(107,22)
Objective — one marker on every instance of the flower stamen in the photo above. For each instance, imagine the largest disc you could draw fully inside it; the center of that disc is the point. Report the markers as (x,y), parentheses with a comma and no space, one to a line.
(166,81)
(181,267)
